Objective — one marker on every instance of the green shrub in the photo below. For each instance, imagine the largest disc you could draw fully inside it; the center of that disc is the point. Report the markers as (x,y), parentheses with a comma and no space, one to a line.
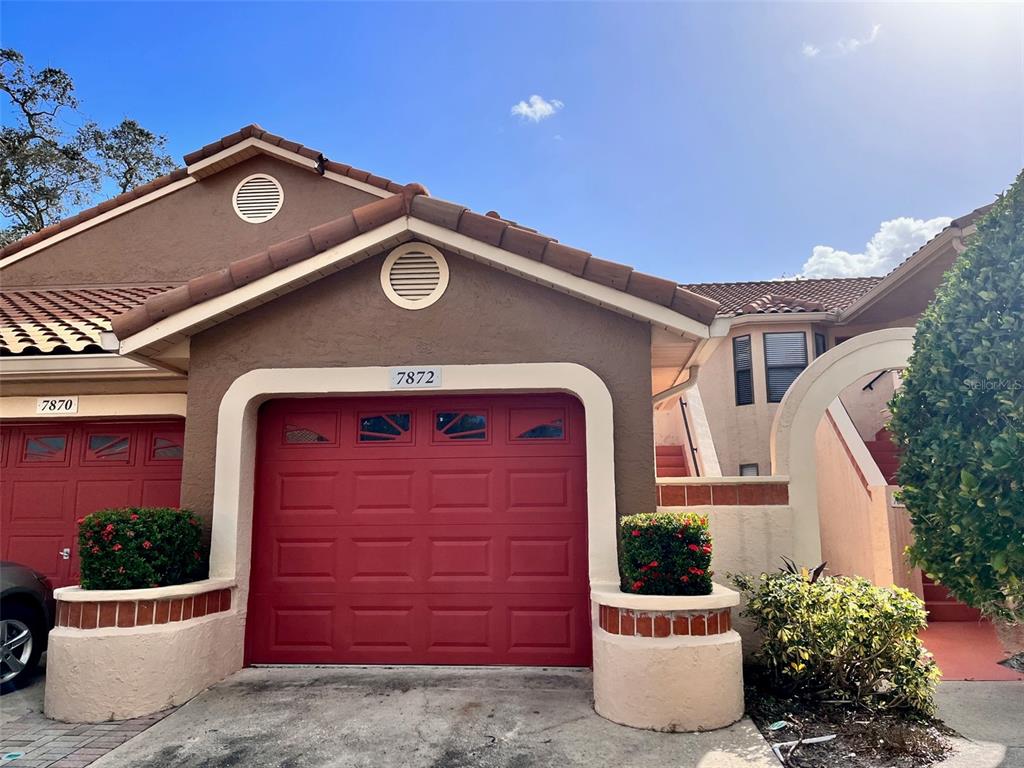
(841,639)
(136,547)
(959,417)
(665,553)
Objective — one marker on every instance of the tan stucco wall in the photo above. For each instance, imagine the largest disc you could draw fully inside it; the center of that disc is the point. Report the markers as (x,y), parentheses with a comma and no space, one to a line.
(854,519)
(486,316)
(669,684)
(741,432)
(186,233)
(117,674)
(108,387)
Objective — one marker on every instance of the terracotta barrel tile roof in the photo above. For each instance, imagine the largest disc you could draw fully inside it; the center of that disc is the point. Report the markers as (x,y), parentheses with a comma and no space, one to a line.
(832,294)
(413,201)
(64,320)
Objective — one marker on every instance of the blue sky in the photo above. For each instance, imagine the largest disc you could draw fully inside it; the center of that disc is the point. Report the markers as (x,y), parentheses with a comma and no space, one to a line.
(695,141)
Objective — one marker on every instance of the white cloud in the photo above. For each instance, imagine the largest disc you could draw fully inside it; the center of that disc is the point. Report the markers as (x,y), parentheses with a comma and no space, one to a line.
(537,108)
(844,46)
(893,243)
(853,44)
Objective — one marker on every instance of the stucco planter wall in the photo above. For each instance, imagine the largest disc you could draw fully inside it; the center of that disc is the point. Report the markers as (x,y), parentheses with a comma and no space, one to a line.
(119,654)
(667,663)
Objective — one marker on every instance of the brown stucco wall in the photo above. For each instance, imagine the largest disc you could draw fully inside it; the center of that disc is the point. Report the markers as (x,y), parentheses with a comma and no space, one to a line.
(485,316)
(186,233)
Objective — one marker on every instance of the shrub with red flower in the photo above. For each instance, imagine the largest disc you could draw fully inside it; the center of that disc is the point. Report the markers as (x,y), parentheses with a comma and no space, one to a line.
(665,553)
(140,547)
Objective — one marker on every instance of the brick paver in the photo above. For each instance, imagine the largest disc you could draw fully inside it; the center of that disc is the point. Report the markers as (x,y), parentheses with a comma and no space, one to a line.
(45,743)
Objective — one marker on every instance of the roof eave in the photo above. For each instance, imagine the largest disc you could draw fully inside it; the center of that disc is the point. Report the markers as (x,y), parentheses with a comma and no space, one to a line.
(951,235)
(152,342)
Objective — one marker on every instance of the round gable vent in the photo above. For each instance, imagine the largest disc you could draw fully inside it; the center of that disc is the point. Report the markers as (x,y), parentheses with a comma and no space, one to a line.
(258,198)
(414,275)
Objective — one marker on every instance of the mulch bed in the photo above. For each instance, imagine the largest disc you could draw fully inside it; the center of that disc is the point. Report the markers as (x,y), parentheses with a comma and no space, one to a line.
(863,739)
(1015,662)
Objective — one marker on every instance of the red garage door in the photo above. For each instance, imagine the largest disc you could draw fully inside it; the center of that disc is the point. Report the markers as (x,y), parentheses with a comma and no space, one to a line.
(421,530)
(54,472)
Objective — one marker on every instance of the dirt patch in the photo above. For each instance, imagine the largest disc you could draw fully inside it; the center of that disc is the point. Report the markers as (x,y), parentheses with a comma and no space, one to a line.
(862,739)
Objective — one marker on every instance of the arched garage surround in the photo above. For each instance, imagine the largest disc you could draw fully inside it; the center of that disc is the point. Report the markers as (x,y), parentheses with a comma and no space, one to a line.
(230,555)
(792,436)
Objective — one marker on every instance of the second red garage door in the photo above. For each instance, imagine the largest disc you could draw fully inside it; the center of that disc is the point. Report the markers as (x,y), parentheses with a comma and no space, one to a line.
(421,530)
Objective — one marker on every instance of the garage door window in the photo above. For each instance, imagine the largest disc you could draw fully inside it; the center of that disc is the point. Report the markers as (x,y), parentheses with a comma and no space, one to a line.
(459,425)
(385,428)
(45,448)
(536,424)
(108,448)
(166,448)
(311,429)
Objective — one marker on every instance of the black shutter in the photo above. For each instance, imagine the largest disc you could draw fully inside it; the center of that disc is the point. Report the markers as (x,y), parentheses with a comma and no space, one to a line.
(743,363)
(785,357)
(820,344)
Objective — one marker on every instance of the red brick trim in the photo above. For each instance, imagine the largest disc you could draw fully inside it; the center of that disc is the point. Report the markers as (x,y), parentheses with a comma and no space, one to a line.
(140,613)
(722,494)
(625,621)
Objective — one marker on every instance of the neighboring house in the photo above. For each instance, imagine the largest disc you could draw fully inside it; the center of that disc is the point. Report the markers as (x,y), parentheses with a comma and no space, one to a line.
(772,330)
(409,425)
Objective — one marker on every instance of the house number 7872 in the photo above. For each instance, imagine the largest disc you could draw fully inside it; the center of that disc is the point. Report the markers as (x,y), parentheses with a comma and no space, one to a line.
(415,377)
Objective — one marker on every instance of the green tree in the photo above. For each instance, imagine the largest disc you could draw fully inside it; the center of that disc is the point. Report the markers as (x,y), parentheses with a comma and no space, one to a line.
(48,170)
(960,420)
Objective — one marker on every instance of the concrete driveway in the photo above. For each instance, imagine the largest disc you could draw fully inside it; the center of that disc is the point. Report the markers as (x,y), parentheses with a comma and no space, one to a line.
(378,717)
(990,718)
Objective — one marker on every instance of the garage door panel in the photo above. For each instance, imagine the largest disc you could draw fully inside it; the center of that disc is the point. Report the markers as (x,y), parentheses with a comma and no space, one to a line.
(377,491)
(297,628)
(94,495)
(37,501)
(420,548)
(298,560)
(39,551)
(59,471)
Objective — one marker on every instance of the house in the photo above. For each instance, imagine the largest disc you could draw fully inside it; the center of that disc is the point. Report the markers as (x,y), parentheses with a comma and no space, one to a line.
(411,426)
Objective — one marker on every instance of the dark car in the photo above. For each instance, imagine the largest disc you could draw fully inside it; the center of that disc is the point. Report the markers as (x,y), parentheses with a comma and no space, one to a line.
(26,618)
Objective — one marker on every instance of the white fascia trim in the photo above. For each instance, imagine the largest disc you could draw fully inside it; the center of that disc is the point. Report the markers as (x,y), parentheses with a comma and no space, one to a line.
(75,367)
(275,284)
(272,285)
(197,169)
(230,549)
(362,186)
(96,221)
(101,406)
(721,326)
(588,290)
(902,273)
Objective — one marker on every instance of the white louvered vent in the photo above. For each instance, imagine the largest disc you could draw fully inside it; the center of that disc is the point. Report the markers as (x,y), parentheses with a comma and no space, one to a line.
(258,198)
(414,275)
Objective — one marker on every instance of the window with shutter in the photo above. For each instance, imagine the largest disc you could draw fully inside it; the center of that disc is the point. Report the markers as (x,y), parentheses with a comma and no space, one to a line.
(743,363)
(820,344)
(785,356)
